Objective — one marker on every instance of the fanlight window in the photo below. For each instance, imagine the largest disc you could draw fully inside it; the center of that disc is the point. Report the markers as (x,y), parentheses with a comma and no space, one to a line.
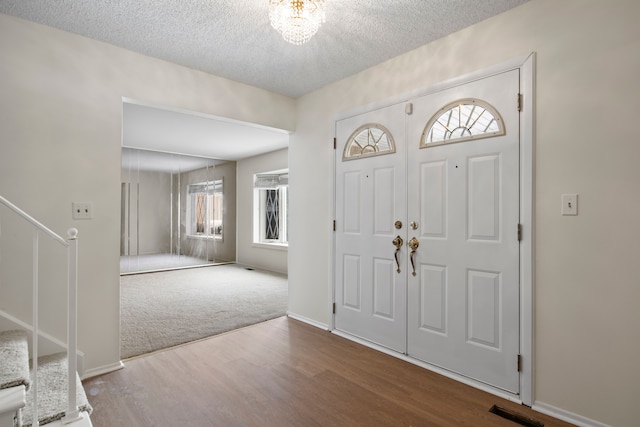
(462,120)
(368,140)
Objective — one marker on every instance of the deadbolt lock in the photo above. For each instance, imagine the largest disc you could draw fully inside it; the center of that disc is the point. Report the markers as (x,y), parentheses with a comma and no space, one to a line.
(398,225)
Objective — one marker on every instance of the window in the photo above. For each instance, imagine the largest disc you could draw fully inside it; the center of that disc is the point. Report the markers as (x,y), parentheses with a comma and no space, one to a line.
(205,209)
(369,140)
(462,120)
(271,203)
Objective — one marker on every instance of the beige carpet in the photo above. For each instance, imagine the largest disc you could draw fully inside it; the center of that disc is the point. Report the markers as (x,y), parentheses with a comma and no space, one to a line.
(14,359)
(164,309)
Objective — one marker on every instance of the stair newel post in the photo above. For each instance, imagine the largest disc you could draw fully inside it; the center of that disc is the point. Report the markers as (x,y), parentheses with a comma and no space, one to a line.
(72,413)
(36,332)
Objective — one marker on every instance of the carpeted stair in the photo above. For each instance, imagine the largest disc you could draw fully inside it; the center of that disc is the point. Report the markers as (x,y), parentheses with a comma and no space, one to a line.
(52,380)
(14,354)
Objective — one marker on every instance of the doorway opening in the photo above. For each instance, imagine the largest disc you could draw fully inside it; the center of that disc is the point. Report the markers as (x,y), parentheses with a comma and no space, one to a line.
(185,202)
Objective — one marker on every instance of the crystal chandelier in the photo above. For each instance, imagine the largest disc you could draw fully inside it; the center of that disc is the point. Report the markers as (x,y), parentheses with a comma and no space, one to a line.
(296,20)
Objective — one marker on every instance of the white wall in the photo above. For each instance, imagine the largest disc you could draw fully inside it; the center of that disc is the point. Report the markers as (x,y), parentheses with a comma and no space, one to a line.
(60,127)
(587,285)
(249,254)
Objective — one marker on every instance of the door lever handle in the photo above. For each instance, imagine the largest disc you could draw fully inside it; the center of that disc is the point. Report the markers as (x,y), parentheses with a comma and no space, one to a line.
(397,242)
(413,244)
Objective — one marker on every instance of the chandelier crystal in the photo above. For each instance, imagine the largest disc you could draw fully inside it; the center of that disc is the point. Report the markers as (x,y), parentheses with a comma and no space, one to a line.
(296,20)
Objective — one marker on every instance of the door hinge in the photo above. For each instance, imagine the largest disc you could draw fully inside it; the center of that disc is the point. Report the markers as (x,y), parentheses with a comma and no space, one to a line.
(519,363)
(519,232)
(334,225)
(335,143)
(334,308)
(519,102)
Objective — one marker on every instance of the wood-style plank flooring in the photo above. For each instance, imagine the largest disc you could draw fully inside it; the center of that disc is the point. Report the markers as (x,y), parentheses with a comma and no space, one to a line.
(286,373)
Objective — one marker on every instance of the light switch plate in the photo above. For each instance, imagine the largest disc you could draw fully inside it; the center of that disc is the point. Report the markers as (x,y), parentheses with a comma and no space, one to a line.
(569,204)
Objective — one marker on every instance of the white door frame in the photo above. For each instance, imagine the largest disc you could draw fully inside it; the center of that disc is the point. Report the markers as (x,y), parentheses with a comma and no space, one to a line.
(526,65)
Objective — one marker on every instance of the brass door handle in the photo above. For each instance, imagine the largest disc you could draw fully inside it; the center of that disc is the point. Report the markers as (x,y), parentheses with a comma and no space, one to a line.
(413,244)
(397,242)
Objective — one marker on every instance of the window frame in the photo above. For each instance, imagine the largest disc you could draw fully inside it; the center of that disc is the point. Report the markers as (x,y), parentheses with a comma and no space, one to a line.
(259,211)
(449,107)
(346,154)
(211,191)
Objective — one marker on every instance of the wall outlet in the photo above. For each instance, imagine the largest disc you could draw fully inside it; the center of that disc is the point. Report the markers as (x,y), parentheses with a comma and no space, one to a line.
(82,210)
(569,204)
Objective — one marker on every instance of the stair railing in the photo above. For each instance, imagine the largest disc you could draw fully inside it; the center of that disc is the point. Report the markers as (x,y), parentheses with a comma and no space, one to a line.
(71,245)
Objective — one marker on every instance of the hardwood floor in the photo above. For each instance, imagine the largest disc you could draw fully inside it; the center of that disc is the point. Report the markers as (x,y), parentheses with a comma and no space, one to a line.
(286,373)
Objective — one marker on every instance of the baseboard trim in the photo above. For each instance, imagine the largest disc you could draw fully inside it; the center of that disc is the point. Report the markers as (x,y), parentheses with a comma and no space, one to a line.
(259,268)
(308,321)
(567,416)
(90,373)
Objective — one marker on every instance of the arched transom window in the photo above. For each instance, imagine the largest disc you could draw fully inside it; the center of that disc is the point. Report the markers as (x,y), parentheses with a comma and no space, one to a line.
(462,120)
(368,140)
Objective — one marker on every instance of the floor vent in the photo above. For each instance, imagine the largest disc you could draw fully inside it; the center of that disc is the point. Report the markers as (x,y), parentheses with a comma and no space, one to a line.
(248,268)
(517,418)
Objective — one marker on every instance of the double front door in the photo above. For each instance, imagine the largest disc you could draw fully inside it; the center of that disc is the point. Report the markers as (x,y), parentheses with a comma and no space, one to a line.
(427,213)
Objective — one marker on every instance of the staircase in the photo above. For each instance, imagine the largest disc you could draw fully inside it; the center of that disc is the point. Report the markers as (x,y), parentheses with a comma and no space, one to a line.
(16,379)
(41,387)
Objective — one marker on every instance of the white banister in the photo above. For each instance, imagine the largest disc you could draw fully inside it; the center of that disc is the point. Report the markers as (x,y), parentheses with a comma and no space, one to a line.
(33,221)
(72,413)
(34,346)
(71,244)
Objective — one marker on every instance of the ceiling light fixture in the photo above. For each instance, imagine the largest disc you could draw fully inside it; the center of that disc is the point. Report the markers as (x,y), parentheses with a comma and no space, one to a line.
(296,20)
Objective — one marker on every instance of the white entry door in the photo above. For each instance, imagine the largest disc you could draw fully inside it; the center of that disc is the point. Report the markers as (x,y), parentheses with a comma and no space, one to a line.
(370,292)
(463,196)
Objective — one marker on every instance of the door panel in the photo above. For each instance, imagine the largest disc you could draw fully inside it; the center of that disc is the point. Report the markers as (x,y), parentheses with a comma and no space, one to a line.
(433,202)
(351,203)
(433,294)
(463,312)
(371,195)
(483,314)
(351,281)
(384,188)
(383,296)
(484,197)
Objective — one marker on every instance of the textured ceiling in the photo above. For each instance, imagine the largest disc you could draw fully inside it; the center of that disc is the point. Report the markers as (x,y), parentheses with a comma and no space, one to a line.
(233,38)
